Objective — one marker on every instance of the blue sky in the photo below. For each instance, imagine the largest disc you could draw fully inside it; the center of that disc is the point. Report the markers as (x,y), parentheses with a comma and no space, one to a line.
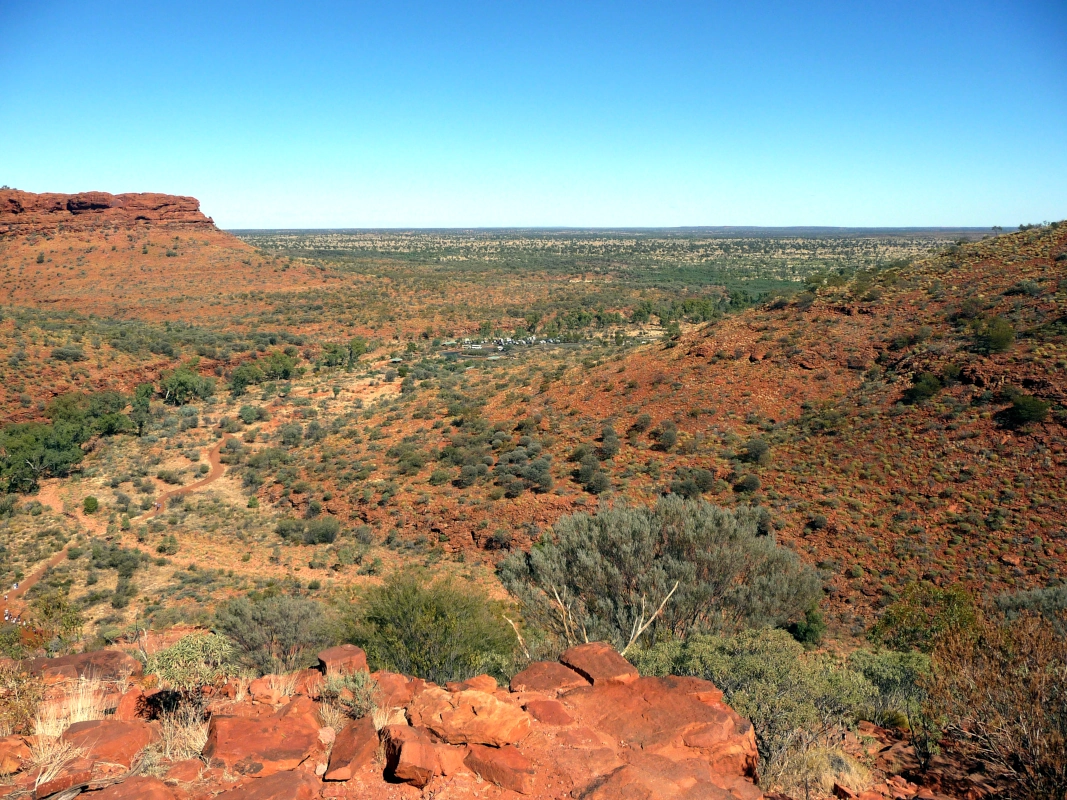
(319,114)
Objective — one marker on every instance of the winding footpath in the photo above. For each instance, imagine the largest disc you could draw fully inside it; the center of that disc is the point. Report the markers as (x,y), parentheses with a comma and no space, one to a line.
(49,496)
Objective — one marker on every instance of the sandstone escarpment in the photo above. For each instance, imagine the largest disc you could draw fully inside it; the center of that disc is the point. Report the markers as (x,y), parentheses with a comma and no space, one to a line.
(26,212)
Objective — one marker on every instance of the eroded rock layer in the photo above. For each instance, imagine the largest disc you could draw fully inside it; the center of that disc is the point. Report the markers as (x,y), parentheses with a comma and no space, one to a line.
(26,212)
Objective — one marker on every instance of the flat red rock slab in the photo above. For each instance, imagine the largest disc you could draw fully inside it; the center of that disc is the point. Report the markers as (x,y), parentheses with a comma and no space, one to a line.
(266,745)
(547,677)
(105,665)
(354,747)
(186,771)
(550,712)
(280,786)
(141,787)
(504,766)
(600,663)
(343,660)
(110,740)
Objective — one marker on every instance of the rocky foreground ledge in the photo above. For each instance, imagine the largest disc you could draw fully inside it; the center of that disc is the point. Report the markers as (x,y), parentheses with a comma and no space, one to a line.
(586,727)
(26,212)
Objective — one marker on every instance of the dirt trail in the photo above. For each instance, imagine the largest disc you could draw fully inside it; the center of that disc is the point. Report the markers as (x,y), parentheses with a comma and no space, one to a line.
(49,496)
(217,468)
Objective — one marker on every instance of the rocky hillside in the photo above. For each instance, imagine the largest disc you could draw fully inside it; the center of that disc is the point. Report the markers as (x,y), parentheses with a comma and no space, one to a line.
(902,425)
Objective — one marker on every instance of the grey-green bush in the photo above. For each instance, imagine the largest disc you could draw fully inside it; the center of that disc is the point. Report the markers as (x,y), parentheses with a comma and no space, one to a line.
(274,634)
(601,577)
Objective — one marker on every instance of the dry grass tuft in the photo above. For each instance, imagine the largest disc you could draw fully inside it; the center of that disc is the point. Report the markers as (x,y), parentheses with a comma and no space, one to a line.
(51,755)
(283,684)
(388,716)
(82,701)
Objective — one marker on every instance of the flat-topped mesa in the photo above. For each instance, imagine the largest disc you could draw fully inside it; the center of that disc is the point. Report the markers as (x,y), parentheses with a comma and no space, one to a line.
(26,212)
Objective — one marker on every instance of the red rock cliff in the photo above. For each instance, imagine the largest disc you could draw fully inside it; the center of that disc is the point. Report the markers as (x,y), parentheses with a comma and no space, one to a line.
(26,212)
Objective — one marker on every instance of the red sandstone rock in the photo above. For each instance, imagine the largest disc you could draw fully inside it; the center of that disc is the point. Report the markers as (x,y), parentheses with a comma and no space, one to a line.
(265,745)
(483,683)
(343,660)
(547,677)
(600,663)
(309,682)
(450,758)
(396,690)
(141,787)
(504,766)
(280,786)
(109,740)
(23,212)
(660,716)
(132,705)
(14,754)
(550,712)
(469,717)
(262,692)
(185,771)
(409,755)
(105,665)
(353,748)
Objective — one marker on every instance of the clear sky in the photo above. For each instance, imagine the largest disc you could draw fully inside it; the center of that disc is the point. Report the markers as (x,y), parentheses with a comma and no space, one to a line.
(319,114)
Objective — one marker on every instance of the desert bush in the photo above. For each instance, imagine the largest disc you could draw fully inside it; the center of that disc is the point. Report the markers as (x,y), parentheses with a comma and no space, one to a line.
(923,613)
(924,387)
(90,505)
(291,434)
(1050,602)
(756,451)
(603,577)
(356,694)
(692,482)
(995,336)
(747,483)
(1024,409)
(184,385)
(1003,688)
(20,696)
(200,659)
(322,530)
(436,630)
(69,353)
(274,634)
(797,701)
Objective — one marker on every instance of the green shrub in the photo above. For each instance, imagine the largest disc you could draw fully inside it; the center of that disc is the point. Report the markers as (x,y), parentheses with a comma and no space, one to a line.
(274,634)
(597,577)
(199,659)
(925,386)
(796,701)
(90,505)
(436,630)
(1025,409)
(923,613)
(996,336)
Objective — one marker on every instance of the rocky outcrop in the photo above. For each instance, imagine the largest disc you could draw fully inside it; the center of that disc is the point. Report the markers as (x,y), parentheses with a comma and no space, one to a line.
(26,212)
(593,729)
